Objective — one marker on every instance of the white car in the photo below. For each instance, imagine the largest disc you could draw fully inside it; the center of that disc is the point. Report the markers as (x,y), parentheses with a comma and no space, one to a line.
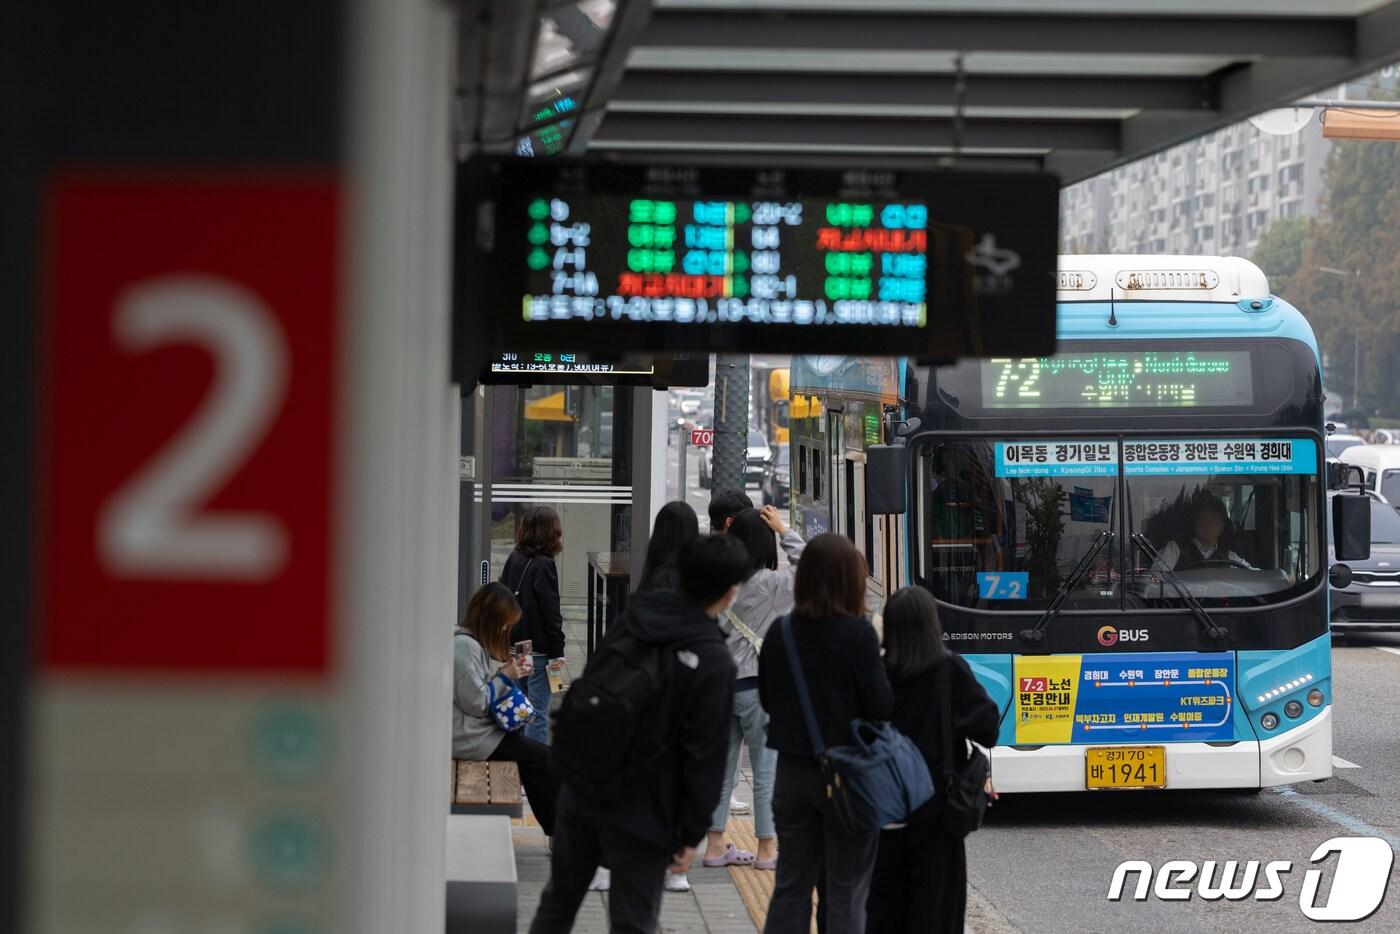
(1380,464)
(756,466)
(1339,442)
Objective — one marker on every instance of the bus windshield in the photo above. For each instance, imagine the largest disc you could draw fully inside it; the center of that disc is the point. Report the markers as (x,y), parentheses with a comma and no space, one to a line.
(1230,540)
(1232,521)
(997,541)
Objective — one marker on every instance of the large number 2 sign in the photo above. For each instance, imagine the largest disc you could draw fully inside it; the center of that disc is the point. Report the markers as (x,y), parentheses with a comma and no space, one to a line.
(153,525)
(189,400)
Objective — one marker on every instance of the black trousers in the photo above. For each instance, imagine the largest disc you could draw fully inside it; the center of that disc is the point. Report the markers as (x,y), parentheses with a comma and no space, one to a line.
(580,846)
(816,849)
(920,882)
(532,758)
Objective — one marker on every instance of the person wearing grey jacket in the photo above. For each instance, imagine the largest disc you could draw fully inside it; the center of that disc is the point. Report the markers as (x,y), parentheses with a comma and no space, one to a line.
(765,597)
(483,637)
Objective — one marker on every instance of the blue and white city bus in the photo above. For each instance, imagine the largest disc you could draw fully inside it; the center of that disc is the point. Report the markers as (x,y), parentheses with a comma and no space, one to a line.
(1127,540)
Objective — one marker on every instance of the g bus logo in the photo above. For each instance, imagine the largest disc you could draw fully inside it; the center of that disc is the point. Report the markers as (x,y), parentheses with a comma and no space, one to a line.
(1111,635)
(1359,880)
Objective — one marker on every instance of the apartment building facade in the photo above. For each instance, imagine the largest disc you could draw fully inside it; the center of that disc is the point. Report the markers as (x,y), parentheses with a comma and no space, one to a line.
(1215,195)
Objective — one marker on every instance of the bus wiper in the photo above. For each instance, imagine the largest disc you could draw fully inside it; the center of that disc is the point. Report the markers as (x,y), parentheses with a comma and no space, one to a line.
(1037,632)
(1212,628)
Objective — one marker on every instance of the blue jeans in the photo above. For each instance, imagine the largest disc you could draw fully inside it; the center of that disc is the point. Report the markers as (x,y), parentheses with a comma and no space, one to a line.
(537,690)
(749,725)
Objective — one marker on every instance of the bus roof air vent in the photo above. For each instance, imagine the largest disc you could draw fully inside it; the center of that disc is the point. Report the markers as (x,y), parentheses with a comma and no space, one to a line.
(1168,278)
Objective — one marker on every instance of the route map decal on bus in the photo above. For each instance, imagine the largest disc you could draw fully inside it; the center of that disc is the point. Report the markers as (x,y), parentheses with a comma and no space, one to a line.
(1125,698)
(1217,456)
(1057,458)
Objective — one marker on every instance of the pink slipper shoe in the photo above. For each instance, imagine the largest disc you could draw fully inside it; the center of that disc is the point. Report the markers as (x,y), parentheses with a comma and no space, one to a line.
(732,856)
(770,864)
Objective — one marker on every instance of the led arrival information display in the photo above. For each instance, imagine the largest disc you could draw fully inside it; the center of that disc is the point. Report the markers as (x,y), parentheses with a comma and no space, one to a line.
(803,262)
(1119,379)
(613,257)
(548,362)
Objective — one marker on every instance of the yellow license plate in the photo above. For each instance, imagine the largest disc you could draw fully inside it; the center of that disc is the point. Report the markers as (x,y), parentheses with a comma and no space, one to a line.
(1125,767)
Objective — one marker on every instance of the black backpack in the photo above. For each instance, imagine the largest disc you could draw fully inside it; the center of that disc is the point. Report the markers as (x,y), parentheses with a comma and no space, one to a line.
(613,723)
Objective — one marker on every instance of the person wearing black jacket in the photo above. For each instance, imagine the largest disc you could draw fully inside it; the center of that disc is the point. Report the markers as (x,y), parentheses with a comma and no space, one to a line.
(920,882)
(840,658)
(532,576)
(660,822)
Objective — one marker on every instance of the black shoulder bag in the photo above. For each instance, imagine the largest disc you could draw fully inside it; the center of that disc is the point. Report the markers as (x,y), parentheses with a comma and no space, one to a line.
(964,784)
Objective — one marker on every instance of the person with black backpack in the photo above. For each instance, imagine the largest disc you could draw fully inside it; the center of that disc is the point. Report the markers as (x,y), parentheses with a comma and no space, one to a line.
(920,881)
(640,743)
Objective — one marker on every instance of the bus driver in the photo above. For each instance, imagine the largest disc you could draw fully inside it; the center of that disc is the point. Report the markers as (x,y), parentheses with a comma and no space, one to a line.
(1203,547)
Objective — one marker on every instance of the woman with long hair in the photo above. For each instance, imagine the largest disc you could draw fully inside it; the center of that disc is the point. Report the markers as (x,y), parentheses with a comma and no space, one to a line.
(532,576)
(480,644)
(839,657)
(763,598)
(676,524)
(920,881)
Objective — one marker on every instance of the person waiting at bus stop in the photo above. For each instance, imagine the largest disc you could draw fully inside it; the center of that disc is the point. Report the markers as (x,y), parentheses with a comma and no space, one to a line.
(645,804)
(1204,546)
(482,641)
(533,577)
(724,506)
(764,598)
(920,881)
(840,660)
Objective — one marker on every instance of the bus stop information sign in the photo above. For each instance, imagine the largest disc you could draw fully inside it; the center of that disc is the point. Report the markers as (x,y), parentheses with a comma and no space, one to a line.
(925,264)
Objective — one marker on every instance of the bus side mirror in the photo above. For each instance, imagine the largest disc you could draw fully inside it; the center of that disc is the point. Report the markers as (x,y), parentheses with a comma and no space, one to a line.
(886,467)
(1339,476)
(1351,527)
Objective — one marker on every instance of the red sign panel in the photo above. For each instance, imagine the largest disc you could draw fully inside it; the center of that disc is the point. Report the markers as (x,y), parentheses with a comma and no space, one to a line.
(703,437)
(188,372)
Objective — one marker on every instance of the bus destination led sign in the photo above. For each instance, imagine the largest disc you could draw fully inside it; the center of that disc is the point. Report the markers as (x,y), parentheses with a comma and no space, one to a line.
(1120,379)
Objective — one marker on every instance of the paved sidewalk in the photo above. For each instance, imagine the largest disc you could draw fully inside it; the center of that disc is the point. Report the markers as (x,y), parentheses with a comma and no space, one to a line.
(714,904)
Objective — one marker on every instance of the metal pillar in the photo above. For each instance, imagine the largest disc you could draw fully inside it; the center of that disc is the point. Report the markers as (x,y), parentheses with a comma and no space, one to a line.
(643,495)
(731,423)
(468,552)
(682,452)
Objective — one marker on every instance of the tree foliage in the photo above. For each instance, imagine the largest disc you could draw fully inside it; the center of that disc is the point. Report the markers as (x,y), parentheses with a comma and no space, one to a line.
(1279,251)
(1355,311)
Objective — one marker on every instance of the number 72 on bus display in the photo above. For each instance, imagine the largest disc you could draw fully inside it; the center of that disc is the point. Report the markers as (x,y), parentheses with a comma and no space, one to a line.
(1002,585)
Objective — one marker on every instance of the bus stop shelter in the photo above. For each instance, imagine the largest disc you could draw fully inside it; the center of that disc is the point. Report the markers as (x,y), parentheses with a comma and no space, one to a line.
(1074,87)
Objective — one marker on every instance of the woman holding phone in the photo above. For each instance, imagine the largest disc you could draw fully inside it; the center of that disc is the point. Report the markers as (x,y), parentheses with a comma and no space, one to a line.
(480,644)
(533,579)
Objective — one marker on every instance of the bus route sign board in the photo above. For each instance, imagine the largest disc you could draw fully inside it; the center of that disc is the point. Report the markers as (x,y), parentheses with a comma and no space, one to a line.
(600,256)
(702,437)
(189,338)
(1125,698)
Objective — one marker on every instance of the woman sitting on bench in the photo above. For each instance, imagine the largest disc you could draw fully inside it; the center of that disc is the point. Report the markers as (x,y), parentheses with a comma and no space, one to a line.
(479,645)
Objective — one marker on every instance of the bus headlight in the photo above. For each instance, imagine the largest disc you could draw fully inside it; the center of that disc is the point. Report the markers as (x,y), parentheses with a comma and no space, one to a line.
(1315,697)
(1269,721)
(1293,709)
